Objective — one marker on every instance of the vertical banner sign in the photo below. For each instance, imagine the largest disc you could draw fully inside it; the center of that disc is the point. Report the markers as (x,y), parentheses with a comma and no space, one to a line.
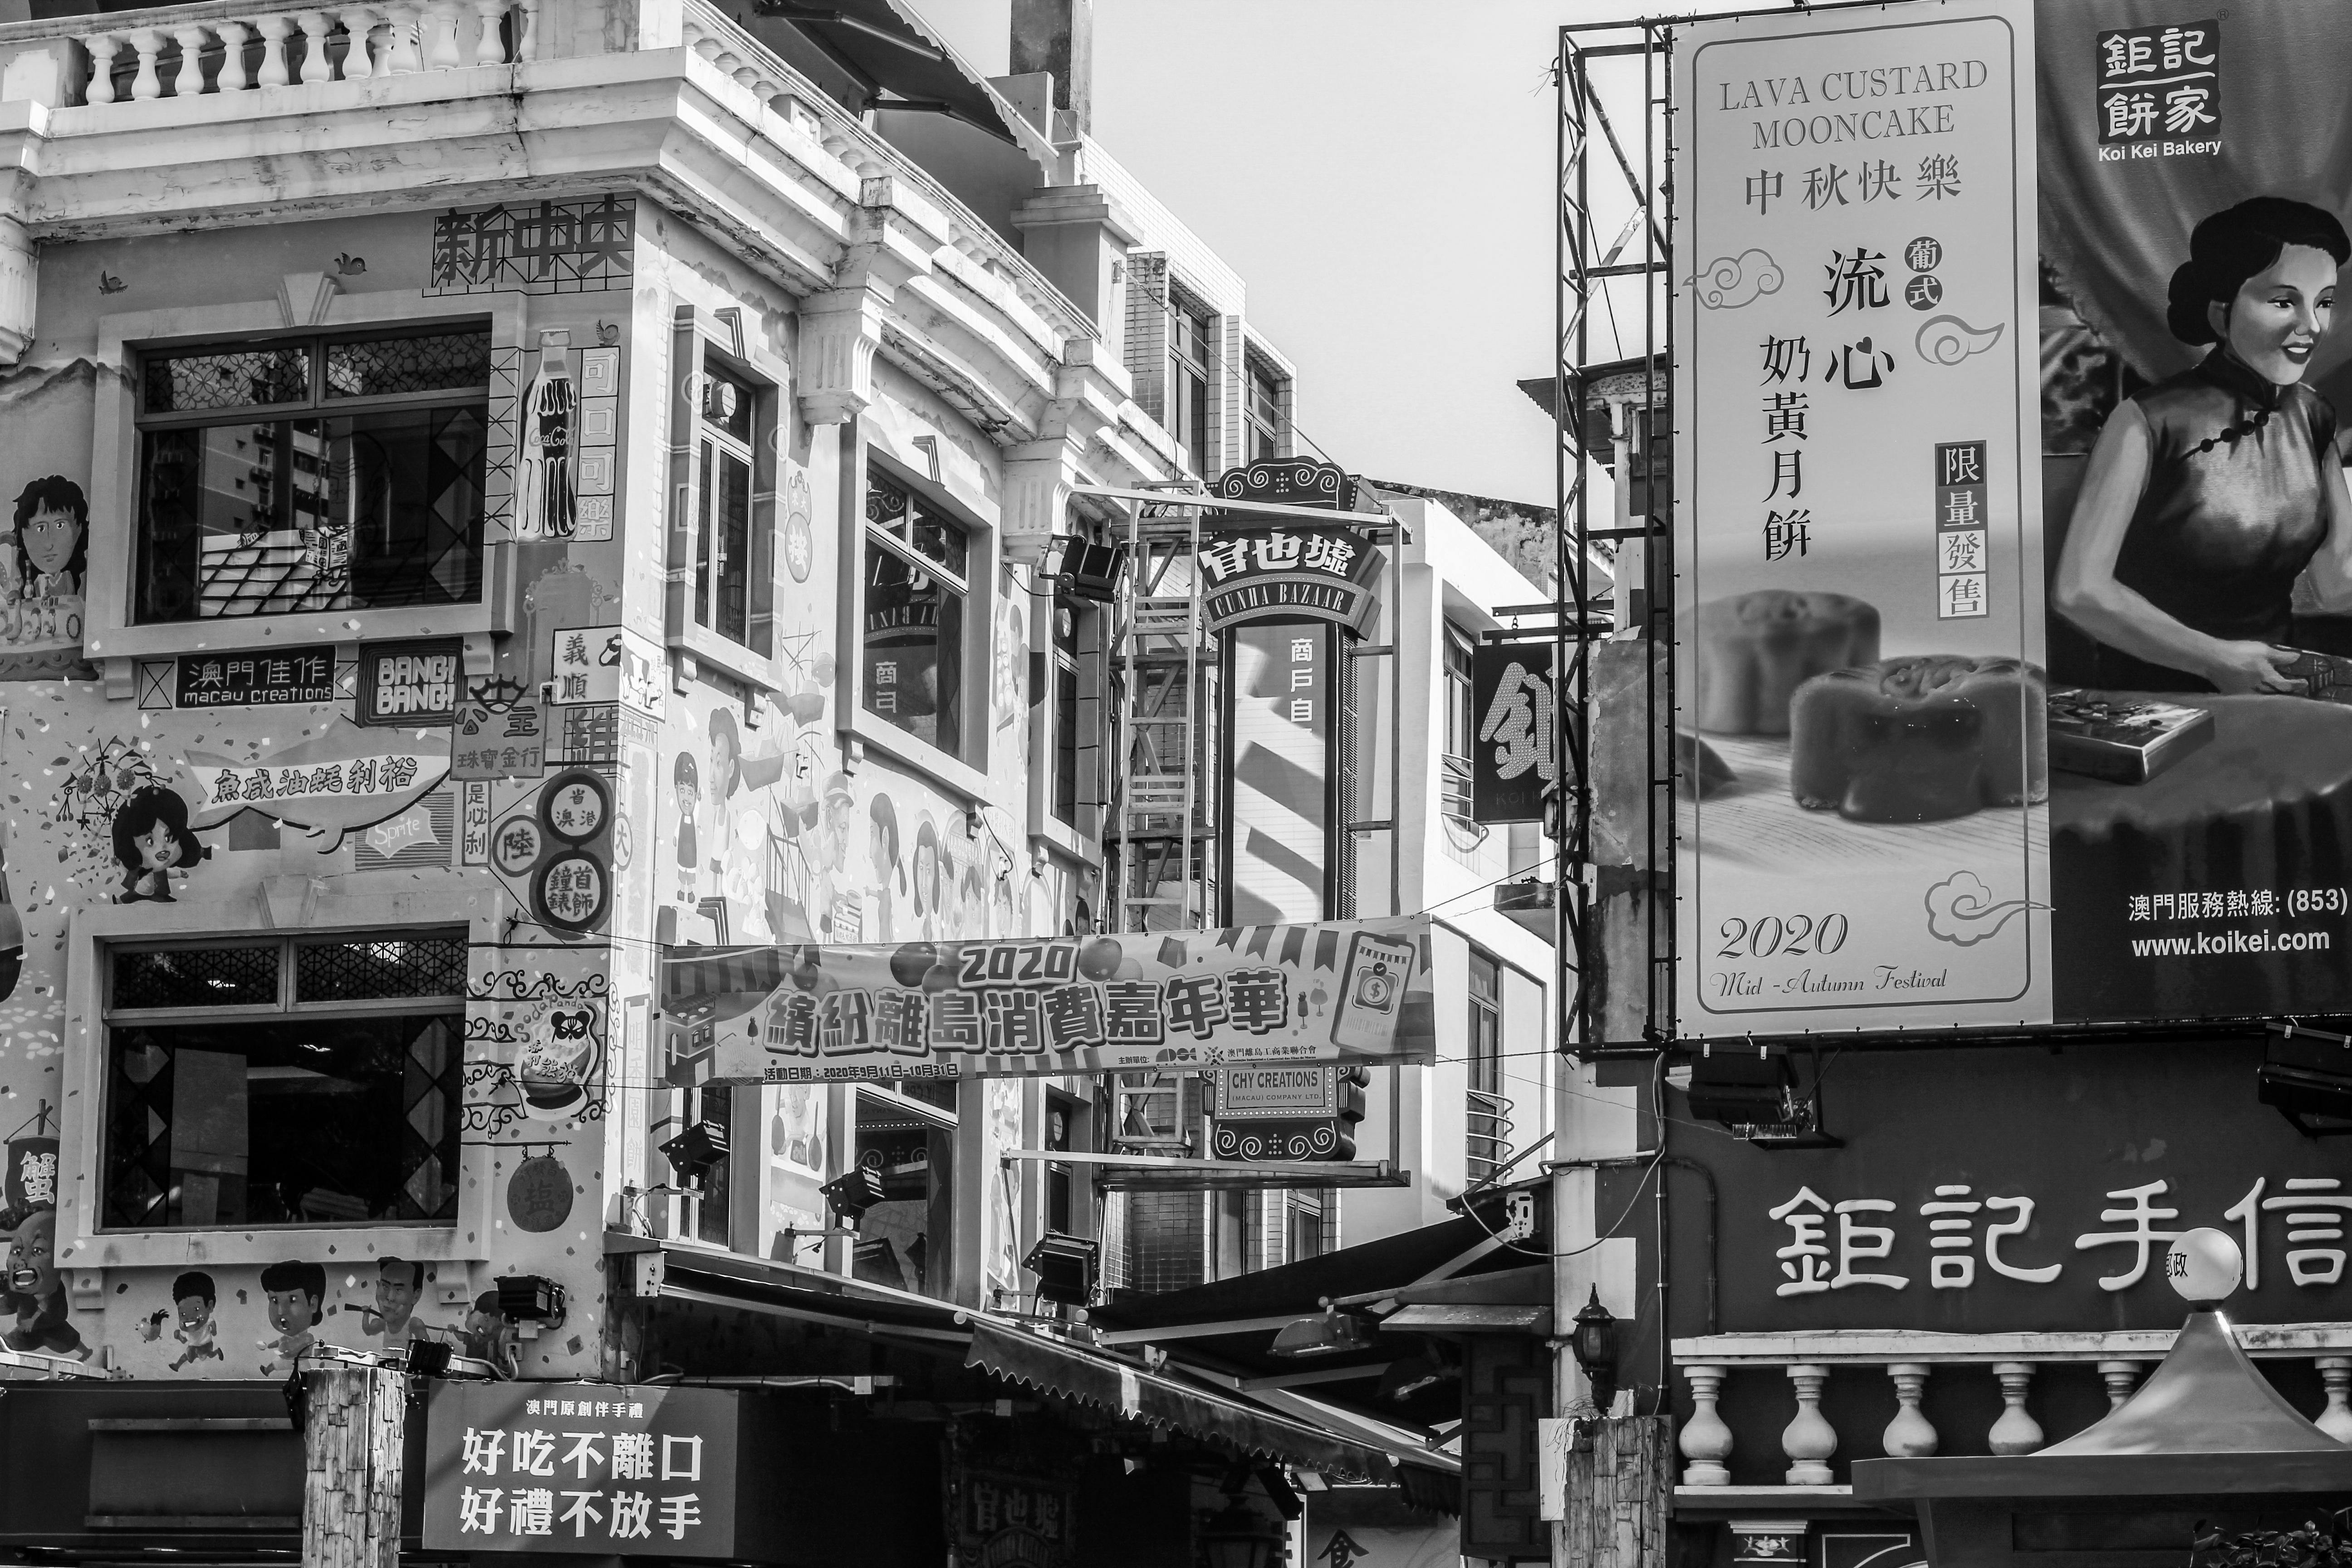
(1861,631)
(1513,759)
(1280,742)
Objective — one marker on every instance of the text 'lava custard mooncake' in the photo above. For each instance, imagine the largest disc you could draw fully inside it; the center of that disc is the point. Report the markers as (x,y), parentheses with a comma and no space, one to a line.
(1752,651)
(1920,738)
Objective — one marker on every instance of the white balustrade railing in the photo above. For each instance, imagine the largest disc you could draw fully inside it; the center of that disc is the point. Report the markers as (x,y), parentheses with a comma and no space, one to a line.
(194,50)
(1807,1362)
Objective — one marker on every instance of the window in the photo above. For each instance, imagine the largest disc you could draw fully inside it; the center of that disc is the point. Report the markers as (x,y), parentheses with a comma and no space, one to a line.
(1487,1121)
(1061,1122)
(1066,712)
(1305,1219)
(724,556)
(907,1240)
(916,586)
(310,1081)
(312,474)
(707,1201)
(1187,385)
(1264,411)
(1460,719)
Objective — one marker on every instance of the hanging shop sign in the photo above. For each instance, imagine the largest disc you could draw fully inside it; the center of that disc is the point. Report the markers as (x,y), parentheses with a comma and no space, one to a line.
(1307,1111)
(1278,740)
(1514,758)
(275,679)
(411,683)
(1287,574)
(594,1469)
(1350,991)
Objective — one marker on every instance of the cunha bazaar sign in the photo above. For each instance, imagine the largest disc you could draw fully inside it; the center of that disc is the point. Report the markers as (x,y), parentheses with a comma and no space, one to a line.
(1289,573)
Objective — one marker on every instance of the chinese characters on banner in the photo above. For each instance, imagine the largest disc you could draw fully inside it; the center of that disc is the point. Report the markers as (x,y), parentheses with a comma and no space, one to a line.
(581,1468)
(1351,991)
(1514,761)
(2158,84)
(1322,574)
(1856,205)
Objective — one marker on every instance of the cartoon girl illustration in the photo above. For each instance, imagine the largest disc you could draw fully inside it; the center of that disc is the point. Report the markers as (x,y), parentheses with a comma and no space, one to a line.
(50,553)
(930,918)
(686,781)
(152,845)
(887,866)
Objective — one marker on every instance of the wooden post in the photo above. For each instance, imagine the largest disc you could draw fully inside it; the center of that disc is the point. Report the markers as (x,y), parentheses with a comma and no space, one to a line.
(1620,1478)
(351,1438)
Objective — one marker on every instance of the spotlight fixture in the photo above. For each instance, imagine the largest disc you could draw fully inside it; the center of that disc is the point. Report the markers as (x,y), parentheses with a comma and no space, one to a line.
(530,1298)
(1065,1266)
(853,1191)
(693,1152)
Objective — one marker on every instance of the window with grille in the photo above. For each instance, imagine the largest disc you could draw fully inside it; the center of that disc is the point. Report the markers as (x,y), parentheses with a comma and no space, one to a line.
(1264,411)
(917,582)
(724,549)
(312,474)
(310,1081)
(1454,765)
(1487,1121)
(1188,386)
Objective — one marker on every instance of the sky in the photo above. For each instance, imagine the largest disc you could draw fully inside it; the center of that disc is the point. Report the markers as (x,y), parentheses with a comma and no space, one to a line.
(1381,174)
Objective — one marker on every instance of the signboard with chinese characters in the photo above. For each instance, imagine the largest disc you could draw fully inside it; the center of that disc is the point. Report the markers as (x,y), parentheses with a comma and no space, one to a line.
(1358,990)
(255,679)
(1282,683)
(1303,1112)
(1289,573)
(582,1469)
(498,739)
(2014,1188)
(1514,763)
(1014,1521)
(411,683)
(1855,460)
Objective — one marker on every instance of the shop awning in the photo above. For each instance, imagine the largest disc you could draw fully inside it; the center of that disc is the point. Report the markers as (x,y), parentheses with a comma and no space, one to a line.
(1074,1373)
(881,53)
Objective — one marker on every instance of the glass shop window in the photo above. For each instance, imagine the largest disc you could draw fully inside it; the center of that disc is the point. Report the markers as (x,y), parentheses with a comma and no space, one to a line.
(905,1239)
(310,1081)
(724,556)
(312,474)
(917,586)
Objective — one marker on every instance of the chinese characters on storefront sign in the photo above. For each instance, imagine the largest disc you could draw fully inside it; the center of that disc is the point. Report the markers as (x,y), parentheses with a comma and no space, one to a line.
(603,1470)
(1289,573)
(1514,764)
(255,680)
(1959,529)
(2159,83)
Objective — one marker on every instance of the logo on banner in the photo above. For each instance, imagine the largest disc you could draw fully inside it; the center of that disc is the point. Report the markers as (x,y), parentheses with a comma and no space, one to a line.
(2159,91)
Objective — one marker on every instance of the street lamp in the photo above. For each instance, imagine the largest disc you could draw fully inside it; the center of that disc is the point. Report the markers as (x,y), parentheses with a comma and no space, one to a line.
(1238,1537)
(1593,1341)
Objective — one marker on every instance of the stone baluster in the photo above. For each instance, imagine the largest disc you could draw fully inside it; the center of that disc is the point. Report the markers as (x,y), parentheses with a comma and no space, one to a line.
(400,52)
(2016,1432)
(2121,1377)
(147,43)
(189,81)
(274,33)
(489,49)
(441,53)
(232,77)
(1808,1439)
(316,66)
(1706,1439)
(102,47)
(360,22)
(2336,1376)
(527,32)
(1909,1436)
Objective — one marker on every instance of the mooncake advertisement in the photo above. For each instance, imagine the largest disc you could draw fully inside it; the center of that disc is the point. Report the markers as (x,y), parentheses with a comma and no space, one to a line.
(1859,582)
(2014,547)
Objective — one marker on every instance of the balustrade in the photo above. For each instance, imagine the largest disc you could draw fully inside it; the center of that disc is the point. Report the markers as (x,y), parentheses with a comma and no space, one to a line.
(1809,1361)
(222,52)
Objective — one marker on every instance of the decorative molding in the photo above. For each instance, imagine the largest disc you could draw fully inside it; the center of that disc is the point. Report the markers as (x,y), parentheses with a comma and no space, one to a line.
(304,299)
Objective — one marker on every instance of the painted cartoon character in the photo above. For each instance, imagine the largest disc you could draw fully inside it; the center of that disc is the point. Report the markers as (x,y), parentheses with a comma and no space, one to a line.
(930,920)
(686,782)
(298,1295)
(887,866)
(399,1284)
(51,539)
(152,845)
(35,1293)
(488,1336)
(193,1300)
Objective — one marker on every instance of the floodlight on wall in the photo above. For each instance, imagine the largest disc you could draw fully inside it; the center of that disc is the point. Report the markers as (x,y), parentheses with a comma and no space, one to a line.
(428,1358)
(1066,1267)
(530,1298)
(1328,1334)
(853,1191)
(693,1152)
(1092,570)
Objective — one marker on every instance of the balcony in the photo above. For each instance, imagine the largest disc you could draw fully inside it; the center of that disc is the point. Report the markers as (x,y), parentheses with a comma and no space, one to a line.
(1806,1363)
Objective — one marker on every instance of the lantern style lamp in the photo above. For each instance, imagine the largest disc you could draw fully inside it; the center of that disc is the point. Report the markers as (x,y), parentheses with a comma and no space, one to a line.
(1238,1537)
(1593,1341)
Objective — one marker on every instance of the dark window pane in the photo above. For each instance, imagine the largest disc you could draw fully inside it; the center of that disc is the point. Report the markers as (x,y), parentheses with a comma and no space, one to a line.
(1065,746)
(702,549)
(383,367)
(240,378)
(710,1216)
(365,511)
(197,977)
(727,404)
(913,649)
(394,966)
(728,536)
(915,523)
(300,1121)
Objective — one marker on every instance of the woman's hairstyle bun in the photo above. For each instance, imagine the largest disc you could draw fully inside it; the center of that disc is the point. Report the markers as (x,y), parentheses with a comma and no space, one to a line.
(2236,244)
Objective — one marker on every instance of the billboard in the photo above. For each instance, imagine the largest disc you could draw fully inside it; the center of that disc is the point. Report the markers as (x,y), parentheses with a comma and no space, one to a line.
(1351,991)
(1514,764)
(1282,681)
(2014,550)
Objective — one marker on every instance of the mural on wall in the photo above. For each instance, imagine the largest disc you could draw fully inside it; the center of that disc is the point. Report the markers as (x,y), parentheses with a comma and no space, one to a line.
(190,1315)
(44,555)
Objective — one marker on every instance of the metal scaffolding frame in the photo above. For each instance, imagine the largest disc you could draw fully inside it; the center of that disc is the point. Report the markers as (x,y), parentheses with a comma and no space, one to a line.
(1585,266)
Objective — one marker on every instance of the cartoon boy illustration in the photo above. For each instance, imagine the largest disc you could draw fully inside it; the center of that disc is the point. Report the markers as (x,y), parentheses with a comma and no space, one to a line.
(50,541)
(686,782)
(36,1293)
(192,1300)
(297,1299)
(152,845)
(487,1335)
(399,1284)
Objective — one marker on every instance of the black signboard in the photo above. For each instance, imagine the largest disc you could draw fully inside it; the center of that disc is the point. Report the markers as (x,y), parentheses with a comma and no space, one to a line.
(1514,758)
(269,679)
(411,682)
